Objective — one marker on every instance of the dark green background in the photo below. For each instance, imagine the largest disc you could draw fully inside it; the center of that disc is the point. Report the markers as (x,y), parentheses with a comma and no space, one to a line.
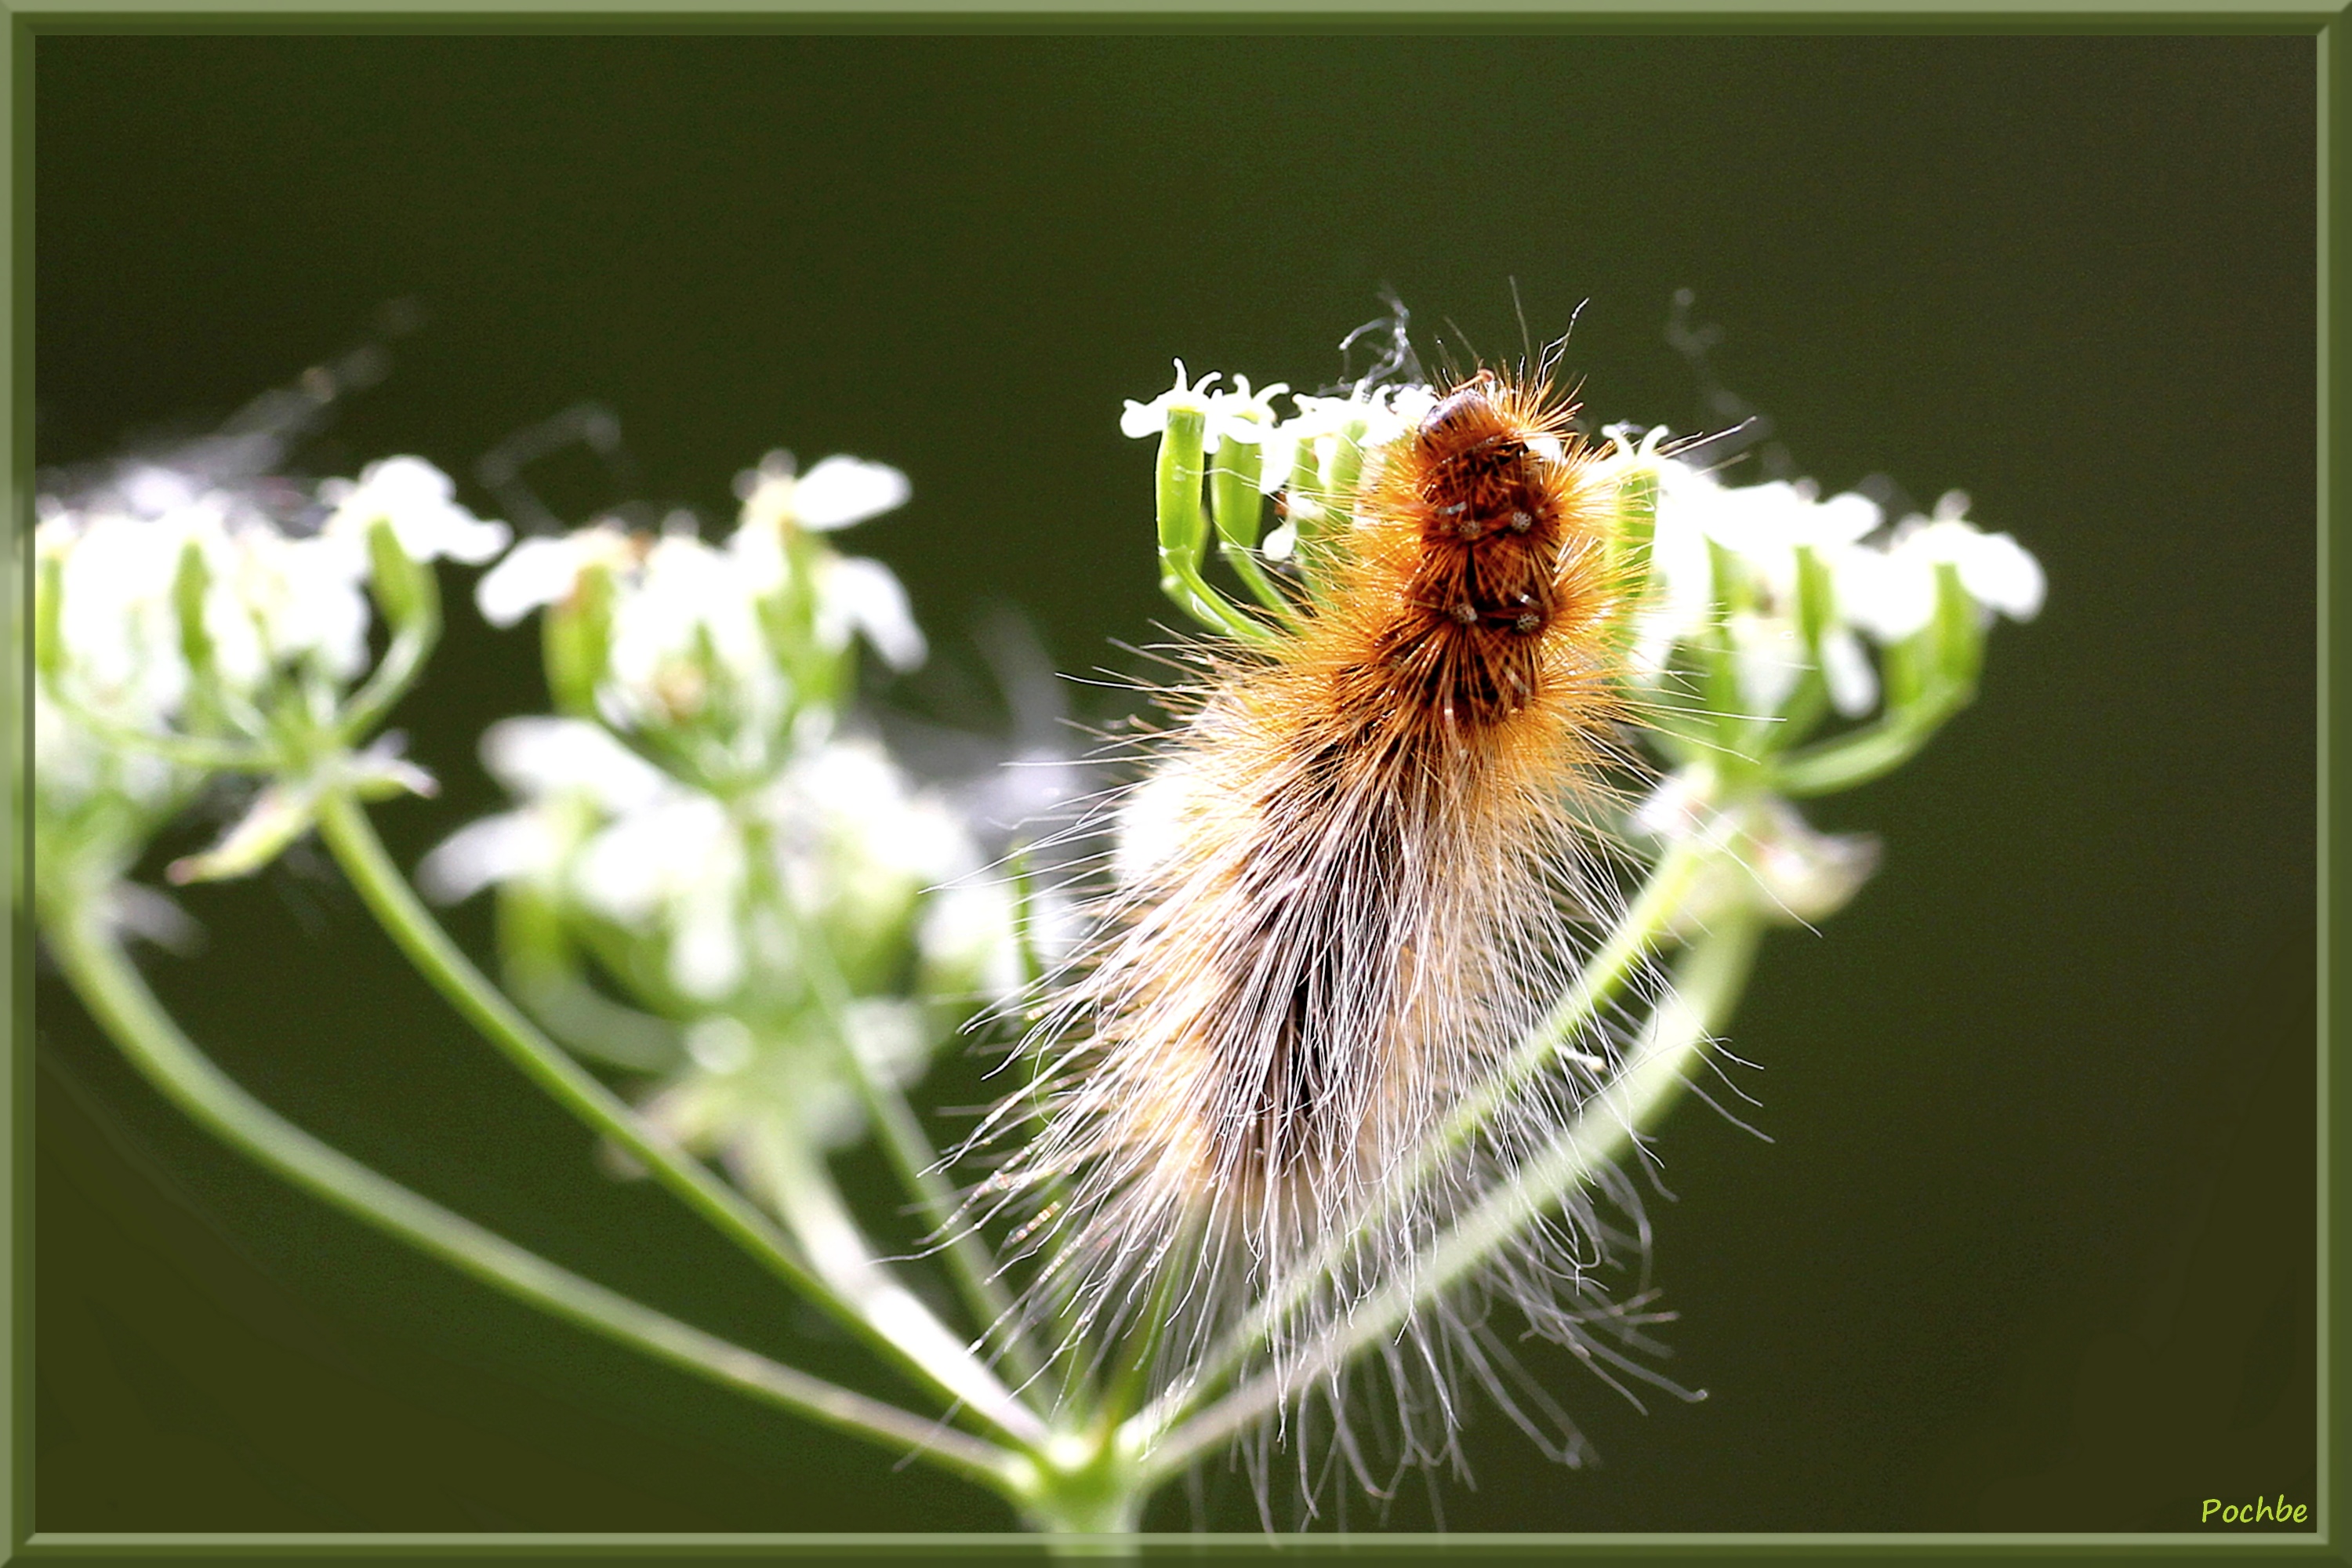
(2029,1246)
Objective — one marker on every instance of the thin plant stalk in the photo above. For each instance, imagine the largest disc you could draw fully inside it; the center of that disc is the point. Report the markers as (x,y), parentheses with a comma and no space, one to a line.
(101,973)
(912,1159)
(205,753)
(927,1350)
(1060,1307)
(812,1204)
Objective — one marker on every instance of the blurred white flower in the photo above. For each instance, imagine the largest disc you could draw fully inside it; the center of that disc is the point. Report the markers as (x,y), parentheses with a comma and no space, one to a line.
(420,502)
(968,938)
(175,602)
(685,601)
(852,843)
(1896,592)
(711,635)
(840,491)
(117,627)
(1887,589)
(855,595)
(534,756)
(539,760)
(301,596)
(541,572)
(271,596)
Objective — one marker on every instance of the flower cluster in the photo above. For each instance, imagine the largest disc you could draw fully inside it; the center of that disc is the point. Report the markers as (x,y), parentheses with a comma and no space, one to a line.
(185,623)
(715,655)
(1761,611)
(707,874)
(1764,558)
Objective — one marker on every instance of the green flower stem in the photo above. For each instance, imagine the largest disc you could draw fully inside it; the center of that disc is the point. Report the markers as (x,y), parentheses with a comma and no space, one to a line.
(1871,751)
(916,1166)
(1930,676)
(812,1204)
(1707,984)
(199,751)
(904,1143)
(1135,1358)
(104,977)
(1182,581)
(1631,546)
(390,681)
(1642,927)
(1239,511)
(1092,1489)
(935,1357)
(1183,528)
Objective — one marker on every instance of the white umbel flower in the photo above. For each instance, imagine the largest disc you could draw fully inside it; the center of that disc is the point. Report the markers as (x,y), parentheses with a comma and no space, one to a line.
(1997,571)
(541,572)
(420,502)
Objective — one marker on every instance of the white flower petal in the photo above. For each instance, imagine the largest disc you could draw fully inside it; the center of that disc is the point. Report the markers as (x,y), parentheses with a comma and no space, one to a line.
(495,849)
(1768,659)
(537,572)
(535,756)
(1998,572)
(863,595)
(1890,593)
(1853,682)
(1150,418)
(419,501)
(843,490)
(705,951)
(680,844)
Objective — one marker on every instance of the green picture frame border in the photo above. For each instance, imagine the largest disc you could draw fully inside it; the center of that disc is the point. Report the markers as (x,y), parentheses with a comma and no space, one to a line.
(2325,24)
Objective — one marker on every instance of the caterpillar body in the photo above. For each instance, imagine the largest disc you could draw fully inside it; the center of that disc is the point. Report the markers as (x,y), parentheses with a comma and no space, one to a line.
(1360,871)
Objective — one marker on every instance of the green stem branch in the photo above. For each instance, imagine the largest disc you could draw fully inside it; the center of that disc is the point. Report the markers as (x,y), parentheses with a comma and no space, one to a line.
(103,975)
(908,1151)
(390,681)
(812,1204)
(937,1359)
(1871,751)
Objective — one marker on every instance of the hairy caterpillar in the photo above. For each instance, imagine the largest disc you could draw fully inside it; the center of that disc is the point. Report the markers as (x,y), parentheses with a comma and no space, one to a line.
(1360,872)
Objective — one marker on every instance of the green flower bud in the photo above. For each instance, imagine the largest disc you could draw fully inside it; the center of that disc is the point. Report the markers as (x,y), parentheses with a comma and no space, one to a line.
(1183,528)
(1233,495)
(1958,631)
(404,588)
(576,640)
(189,585)
(1815,605)
(1630,545)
